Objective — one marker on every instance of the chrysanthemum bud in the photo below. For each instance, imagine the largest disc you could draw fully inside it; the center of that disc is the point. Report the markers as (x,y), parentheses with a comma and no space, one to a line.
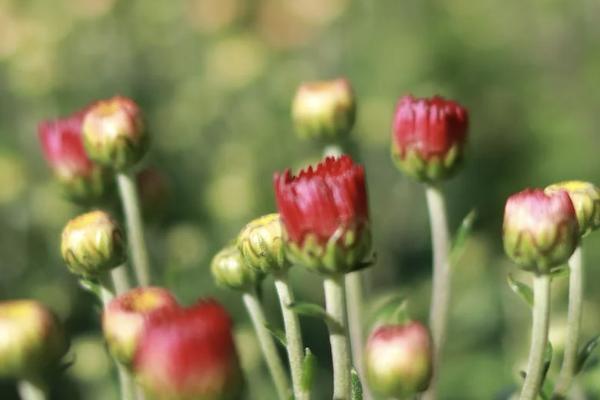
(540,230)
(124,318)
(586,200)
(93,243)
(324,110)
(231,271)
(399,360)
(81,179)
(261,244)
(325,215)
(429,137)
(114,134)
(31,339)
(189,353)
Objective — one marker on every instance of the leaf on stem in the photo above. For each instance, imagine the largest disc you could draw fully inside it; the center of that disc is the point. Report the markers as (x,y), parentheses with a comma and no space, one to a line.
(356,390)
(315,311)
(92,287)
(547,361)
(520,288)
(277,334)
(585,352)
(308,370)
(462,234)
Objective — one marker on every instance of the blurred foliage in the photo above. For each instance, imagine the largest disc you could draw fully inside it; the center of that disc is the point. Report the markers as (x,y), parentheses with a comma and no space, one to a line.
(216,77)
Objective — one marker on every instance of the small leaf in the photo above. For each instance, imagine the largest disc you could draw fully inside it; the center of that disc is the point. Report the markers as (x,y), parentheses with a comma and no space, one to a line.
(462,234)
(92,287)
(584,353)
(365,264)
(315,311)
(521,289)
(308,370)
(400,315)
(277,334)
(356,388)
(547,361)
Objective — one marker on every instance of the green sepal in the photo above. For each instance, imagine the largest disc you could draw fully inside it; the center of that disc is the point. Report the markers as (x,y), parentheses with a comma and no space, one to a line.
(522,289)
(309,364)
(433,169)
(315,311)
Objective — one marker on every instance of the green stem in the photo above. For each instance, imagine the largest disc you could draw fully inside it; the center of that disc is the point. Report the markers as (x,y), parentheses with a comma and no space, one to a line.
(135,227)
(440,292)
(30,389)
(335,298)
(567,371)
(293,335)
(267,345)
(120,279)
(539,337)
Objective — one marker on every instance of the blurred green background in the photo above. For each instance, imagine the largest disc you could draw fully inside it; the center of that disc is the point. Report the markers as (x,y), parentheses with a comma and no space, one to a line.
(215,79)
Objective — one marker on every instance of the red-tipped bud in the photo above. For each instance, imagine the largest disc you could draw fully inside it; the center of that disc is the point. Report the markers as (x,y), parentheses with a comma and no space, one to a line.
(429,137)
(124,317)
(114,134)
(324,110)
(80,178)
(325,215)
(399,360)
(540,230)
(31,339)
(189,353)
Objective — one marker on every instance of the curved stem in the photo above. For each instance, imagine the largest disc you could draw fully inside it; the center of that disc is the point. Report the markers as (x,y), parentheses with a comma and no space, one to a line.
(135,227)
(293,335)
(539,337)
(30,389)
(335,299)
(267,345)
(567,371)
(440,292)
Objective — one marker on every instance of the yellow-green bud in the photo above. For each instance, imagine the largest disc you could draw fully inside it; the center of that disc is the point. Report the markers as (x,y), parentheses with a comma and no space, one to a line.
(31,339)
(261,244)
(92,244)
(586,200)
(230,271)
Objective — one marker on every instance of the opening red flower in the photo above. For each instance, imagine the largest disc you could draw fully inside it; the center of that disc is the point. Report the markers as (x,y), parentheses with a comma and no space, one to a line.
(325,214)
(187,353)
(428,136)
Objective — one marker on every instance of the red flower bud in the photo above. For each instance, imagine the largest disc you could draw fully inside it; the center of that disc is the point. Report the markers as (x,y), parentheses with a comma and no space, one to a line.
(189,353)
(325,214)
(124,317)
(399,360)
(63,149)
(429,137)
(540,230)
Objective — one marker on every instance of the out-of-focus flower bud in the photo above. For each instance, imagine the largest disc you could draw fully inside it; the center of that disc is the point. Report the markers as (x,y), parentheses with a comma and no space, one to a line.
(154,188)
(31,339)
(399,360)
(189,353)
(124,317)
(325,215)
(540,230)
(93,243)
(586,200)
(81,179)
(114,133)
(231,271)
(324,110)
(429,137)
(261,244)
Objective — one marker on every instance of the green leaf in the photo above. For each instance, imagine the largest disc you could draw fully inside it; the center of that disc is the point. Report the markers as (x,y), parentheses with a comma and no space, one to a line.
(277,334)
(315,311)
(521,289)
(308,370)
(400,315)
(585,352)
(92,287)
(462,234)
(547,361)
(356,386)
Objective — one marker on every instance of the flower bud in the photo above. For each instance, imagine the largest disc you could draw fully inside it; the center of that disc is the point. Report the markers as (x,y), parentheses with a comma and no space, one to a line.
(325,215)
(429,136)
(31,339)
(231,271)
(80,178)
(124,317)
(540,230)
(586,200)
(324,110)
(92,244)
(189,353)
(114,134)
(399,360)
(261,244)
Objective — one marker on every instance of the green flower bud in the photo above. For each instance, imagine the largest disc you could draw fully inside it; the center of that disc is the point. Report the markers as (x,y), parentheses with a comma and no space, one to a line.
(114,134)
(230,271)
(586,200)
(92,244)
(324,110)
(31,339)
(261,244)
